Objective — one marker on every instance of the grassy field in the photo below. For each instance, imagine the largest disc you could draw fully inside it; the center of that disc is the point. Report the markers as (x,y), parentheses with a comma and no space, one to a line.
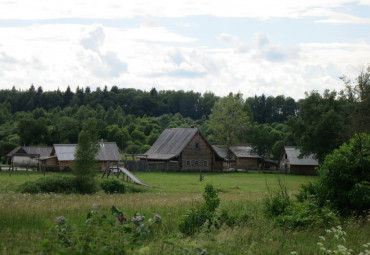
(25,219)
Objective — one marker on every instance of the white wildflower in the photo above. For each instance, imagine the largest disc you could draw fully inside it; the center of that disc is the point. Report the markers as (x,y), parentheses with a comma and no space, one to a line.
(157,218)
(61,220)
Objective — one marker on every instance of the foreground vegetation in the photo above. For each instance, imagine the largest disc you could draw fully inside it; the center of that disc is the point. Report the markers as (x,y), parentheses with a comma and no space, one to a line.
(27,221)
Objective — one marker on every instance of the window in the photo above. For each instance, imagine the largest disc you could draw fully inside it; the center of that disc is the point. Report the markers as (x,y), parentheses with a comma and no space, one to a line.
(205,163)
(197,145)
(196,162)
(187,162)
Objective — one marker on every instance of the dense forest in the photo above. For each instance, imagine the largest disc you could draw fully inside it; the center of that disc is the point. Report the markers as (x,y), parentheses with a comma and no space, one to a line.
(134,118)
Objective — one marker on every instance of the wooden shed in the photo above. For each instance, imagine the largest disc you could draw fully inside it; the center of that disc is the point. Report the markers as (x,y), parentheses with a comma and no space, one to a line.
(292,163)
(27,155)
(245,157)
(238,157)
(183,149)
(63,155)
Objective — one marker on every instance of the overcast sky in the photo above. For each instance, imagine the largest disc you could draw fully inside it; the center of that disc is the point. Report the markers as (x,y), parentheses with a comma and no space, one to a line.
(266,46)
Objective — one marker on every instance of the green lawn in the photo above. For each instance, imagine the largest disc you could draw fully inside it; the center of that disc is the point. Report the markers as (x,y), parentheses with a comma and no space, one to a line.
(25,219)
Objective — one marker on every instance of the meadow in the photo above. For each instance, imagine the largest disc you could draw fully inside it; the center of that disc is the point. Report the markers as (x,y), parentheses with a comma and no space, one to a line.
(26,219)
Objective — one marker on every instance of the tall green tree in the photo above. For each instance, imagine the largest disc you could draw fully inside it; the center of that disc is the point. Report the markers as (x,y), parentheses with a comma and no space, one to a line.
(323,123)
(84,166)
(228,120)
(359,95)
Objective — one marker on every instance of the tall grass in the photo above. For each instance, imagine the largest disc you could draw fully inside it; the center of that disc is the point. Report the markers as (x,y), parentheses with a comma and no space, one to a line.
(25,219)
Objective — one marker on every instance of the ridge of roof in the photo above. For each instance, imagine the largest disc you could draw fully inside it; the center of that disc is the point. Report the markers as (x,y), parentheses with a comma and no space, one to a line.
(171,142)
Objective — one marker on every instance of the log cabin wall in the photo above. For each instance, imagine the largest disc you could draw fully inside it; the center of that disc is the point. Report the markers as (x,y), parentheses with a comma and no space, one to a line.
(197,155)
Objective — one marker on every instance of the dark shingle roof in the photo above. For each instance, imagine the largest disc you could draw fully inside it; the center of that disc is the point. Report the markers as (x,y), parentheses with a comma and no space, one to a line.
(293,157)
(171,143)
(39,150)
(220,151)
(42,151)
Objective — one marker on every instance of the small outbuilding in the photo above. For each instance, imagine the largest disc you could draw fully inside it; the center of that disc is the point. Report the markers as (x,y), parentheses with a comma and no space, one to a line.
(183,149)
(238,157)
(27,155)
(292,163)
(62,156)
(245,157)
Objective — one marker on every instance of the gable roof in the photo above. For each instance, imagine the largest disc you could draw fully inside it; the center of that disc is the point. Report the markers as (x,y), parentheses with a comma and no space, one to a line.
(171,143)
(65,152)
(244,152)
(293,157)
(39,150)
(220,151)
(108,151)
(42,151)
(18,149)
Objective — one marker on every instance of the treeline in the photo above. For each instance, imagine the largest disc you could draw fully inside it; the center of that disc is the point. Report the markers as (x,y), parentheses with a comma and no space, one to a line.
(139,103)
(134,119)
(131,101)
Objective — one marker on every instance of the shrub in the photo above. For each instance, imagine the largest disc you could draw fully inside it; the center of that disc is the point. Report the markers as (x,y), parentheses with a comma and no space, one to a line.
(113,186)
(54,184)
(57,184)
(277,203)
(192,221)
(307,191)
(345,176)
(29,187)
(304,213)
(307,214)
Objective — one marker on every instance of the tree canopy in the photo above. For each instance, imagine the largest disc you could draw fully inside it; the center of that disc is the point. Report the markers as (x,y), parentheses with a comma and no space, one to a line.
(228,120)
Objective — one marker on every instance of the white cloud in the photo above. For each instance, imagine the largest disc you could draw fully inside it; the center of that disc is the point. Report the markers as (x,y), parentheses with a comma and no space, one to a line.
(112,9)
(344,18)
(54,56)
(57,55)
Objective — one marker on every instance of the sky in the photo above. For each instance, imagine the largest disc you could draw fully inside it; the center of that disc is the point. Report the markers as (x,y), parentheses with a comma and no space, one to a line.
(285,47)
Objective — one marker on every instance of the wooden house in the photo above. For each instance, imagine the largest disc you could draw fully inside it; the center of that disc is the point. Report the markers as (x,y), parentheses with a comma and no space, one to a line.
(244,157)
(183,149)
(63,155)
(292,163)
(238,157)
(27,155)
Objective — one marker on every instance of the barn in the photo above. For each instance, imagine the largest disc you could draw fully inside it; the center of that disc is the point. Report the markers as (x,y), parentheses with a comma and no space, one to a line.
(183,149)
(292,163)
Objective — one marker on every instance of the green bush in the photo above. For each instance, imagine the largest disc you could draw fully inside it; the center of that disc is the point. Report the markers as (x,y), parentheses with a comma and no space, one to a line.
(277,204)
(192,221)
(53,184)
(345,176)
(307,214)
(307,191)
(29,187)
(113,186)
(57,184)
